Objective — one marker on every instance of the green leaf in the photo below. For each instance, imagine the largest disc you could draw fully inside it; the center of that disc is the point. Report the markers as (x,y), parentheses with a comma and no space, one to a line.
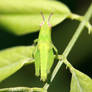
(23,16)
(22,89)
(80,82)
(13,59)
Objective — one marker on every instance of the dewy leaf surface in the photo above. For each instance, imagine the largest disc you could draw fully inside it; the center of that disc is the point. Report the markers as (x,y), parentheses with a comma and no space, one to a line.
(80,82)
(13,59)
(23,16)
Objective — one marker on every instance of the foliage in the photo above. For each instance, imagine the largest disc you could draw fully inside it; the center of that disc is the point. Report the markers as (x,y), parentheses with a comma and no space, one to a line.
(23,16)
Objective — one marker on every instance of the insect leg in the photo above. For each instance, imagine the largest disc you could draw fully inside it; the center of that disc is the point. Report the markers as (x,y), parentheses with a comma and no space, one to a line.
(50,59)
(55,49)
(35,41)
(37,62)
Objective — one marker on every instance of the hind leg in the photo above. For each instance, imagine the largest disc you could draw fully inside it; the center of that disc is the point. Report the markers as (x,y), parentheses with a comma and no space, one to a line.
(37,62)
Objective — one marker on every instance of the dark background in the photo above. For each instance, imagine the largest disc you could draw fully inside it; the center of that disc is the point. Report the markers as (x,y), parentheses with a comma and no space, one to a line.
(80,56)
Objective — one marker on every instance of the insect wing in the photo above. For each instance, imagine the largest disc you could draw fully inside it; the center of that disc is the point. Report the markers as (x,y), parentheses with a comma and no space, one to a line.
(43,59)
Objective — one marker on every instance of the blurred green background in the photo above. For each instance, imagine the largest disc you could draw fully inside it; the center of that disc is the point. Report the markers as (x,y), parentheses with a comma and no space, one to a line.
(80,56)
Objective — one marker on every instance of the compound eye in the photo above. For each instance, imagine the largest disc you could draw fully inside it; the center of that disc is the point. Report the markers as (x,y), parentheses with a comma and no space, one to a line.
(49,25)
(41,24)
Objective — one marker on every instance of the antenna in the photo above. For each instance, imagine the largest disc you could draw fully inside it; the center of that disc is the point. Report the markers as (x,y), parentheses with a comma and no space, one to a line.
(50,17)
(42,16)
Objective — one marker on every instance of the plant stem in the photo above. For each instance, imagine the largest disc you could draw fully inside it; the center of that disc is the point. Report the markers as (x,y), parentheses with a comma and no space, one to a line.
(78,32)
(46,86)
(71,43)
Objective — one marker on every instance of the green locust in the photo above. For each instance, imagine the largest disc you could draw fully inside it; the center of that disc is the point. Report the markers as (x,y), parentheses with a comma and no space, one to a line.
(44,55)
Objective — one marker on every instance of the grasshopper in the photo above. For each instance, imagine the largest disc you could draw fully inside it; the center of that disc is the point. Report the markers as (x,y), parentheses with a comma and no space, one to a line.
(44,54)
